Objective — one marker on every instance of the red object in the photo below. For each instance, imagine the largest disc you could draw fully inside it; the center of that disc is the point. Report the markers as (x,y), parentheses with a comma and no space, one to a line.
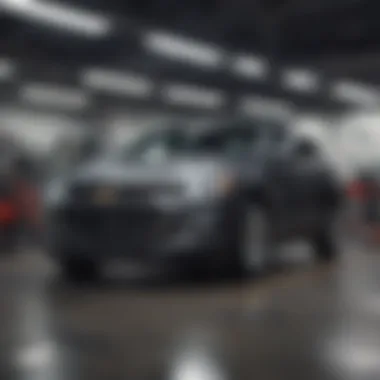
(374,234)
(8,212)
(357,190)
(28,201)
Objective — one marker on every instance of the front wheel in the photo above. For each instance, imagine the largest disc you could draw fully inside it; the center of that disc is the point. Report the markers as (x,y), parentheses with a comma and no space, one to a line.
(325,243)
(9,239)
(254,246)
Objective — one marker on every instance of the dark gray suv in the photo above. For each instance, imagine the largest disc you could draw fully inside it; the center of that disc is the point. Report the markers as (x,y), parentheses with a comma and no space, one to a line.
(218,197)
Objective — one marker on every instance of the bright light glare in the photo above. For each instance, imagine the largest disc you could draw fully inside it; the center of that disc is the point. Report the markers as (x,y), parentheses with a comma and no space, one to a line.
(193,96)
(355,93)
(37,356)
(195,368)
(250,67)
(194,361)
(53,96)
(118,83)
(184,49)
(300,80)
(59,15)
(6,69)
(356,358)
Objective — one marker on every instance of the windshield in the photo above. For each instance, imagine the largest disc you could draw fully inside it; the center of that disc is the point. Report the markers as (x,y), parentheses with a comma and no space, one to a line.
(158,144)
(70,152)
(226,140)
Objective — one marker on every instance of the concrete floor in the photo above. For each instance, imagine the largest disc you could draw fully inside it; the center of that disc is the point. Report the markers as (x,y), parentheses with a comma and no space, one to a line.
(313,322)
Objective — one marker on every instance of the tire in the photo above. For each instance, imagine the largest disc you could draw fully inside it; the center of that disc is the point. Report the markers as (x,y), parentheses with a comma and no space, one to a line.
(325,244)
(252,253)
(79,270)
(8,241)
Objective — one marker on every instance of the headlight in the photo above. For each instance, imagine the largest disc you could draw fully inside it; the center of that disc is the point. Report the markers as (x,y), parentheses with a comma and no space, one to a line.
(56,192)
(209,187)
(198,188)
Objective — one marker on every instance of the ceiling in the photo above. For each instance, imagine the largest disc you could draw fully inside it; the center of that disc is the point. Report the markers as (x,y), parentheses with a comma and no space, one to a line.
(339,38)
(291,29)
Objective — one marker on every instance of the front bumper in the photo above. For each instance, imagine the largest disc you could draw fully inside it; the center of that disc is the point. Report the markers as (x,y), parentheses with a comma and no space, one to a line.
(140,233)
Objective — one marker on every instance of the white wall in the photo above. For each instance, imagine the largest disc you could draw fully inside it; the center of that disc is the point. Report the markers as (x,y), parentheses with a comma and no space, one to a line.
(349,142)
(359,139)
(38,131)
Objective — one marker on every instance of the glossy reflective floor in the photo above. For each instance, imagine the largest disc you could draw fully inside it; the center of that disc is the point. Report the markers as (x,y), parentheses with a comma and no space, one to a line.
(313,322)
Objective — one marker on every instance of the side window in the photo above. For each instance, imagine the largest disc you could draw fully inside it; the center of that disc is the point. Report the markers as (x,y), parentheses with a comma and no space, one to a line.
(159,145)
(241,140)
(231,140)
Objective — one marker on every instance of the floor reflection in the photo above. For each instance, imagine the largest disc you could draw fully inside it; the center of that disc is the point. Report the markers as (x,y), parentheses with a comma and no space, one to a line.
(37,353)
(196,358)
(318,322)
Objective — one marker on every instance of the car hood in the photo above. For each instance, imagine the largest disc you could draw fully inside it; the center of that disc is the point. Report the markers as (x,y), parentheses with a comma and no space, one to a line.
(124,172)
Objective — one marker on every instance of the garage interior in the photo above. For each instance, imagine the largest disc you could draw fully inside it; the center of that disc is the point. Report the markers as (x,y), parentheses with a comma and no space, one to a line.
(114,68)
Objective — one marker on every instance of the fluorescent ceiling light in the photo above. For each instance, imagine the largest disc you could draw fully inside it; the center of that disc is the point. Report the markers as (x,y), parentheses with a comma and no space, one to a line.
(60,16)
(193,96)
(250,67)
(300,80)
(7,69)
(52,96)
(183,49)
(355,93)
(128,84)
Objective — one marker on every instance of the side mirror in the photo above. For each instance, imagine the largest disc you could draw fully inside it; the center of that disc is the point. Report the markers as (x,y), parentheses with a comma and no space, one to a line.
(305,149)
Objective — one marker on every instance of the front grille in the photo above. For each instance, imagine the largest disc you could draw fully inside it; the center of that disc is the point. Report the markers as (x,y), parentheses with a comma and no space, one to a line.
(80,193)
(120,230)
(127,194)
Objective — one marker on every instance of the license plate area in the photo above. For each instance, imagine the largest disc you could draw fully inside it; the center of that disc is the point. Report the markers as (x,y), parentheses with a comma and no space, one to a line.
(124,267)
(119,231)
